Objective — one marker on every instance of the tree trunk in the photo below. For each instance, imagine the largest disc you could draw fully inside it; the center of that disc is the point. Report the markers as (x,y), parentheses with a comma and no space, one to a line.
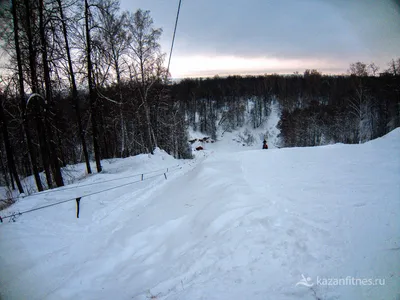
(92,92)
(55,165)
(4,170)
(123,134)
(35,89)
(44,151)
(22,99)
(74,91)
(106,149)
(150,144)
(9,152)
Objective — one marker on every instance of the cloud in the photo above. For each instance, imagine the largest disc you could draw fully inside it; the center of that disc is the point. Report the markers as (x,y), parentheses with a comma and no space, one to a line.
(287,28)
(340,31)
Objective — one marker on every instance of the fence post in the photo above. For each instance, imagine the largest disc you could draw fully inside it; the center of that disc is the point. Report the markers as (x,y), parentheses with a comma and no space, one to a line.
(78,201)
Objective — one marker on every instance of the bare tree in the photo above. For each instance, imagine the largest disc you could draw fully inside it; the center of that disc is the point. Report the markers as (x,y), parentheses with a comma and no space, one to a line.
(22,98)
(146,56)
(394,67)
(361,108)
(73,87)
(55,165)
(92,89)
(116,40)
(358,69)
(9,151)
(373,69)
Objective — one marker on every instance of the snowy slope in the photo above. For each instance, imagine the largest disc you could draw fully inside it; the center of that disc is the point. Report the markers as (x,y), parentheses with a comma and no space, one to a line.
(271,125)
(231,141)
(231,224)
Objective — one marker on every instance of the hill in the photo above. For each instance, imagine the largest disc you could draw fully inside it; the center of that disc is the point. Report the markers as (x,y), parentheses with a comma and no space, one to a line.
(229,224)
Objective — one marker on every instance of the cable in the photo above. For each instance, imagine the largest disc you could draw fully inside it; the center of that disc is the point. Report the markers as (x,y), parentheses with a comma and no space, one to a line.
(101,182)
(173,37)
(73,199)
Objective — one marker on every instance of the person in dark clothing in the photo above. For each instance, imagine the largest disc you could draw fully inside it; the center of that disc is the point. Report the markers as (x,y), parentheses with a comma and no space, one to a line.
(265,146)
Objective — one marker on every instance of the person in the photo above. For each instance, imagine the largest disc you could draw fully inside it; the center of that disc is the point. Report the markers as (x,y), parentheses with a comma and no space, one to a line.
(265,146)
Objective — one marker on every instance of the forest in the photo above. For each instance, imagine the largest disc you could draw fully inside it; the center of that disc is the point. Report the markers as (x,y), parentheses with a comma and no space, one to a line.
(316,109)
(85,81)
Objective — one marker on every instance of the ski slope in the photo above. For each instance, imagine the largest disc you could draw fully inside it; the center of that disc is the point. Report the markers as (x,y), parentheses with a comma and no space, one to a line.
(234,223)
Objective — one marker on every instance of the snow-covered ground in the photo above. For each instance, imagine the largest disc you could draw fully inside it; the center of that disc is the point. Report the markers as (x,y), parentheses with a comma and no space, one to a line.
(234,223)
(233,141)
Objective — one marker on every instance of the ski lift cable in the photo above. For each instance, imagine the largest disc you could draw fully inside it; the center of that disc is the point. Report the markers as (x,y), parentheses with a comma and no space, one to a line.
(61,189)
(84,196)
(173,37)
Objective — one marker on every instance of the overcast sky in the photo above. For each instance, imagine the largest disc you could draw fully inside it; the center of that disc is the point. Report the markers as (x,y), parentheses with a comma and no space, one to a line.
(265,36)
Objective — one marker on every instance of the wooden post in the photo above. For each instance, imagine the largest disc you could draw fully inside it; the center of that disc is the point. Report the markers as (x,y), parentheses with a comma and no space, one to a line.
(78,201)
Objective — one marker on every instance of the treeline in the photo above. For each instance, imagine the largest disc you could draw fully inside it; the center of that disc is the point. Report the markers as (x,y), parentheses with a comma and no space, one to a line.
(316,109)
(84,81)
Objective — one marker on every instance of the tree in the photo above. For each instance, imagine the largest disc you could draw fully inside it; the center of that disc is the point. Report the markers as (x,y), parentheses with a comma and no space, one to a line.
(116,40)
(22,97)
(146,57)
(73,87)
(9,151)
(312,72)
(48,98)
(30,14)
(358,69)
(92,89)
(373,69)
(394,67)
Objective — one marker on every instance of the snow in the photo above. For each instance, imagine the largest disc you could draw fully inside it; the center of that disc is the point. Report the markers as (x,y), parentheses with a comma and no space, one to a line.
(233,223)
(230,141)
(271,125)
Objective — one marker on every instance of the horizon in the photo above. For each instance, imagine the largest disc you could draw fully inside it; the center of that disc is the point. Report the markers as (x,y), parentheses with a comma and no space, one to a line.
(296,73)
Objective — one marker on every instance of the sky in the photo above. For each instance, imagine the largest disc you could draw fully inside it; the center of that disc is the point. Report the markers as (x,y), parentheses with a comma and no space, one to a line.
(221,37)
